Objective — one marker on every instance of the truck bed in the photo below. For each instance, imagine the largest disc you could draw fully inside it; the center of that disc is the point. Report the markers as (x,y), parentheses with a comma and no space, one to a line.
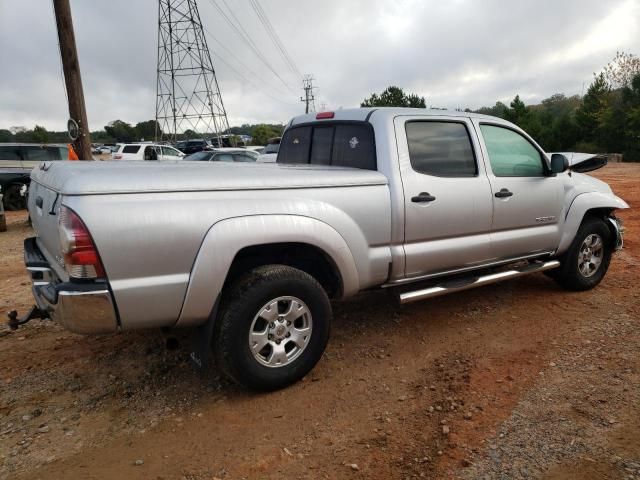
(89,178)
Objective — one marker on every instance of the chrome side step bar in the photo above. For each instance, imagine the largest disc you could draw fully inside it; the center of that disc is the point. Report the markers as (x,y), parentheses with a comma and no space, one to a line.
(473,282)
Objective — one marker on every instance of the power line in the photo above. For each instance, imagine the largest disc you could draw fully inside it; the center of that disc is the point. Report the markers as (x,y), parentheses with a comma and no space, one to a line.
(250,44)
(262,16)
(252,72)
(242,77)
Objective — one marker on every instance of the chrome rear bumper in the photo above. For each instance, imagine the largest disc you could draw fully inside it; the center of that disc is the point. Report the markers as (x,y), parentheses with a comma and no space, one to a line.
(85,308)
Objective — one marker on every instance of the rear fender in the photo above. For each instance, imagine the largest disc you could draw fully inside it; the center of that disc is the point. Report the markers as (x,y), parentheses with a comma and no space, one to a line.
(227,237)
(580,206)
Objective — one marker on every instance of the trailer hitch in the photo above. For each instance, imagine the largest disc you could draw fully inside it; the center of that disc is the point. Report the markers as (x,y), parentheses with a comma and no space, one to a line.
(35,312)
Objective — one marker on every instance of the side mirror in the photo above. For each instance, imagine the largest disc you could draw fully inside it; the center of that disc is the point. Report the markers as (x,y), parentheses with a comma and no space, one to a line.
(559,163)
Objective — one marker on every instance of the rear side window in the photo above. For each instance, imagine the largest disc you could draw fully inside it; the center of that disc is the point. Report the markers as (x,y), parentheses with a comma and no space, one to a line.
(441,149)
(341,144)
(131,149)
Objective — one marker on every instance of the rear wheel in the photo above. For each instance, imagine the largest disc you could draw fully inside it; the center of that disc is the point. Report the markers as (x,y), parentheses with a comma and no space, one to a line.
(273,328)
(586,262)
(13,199)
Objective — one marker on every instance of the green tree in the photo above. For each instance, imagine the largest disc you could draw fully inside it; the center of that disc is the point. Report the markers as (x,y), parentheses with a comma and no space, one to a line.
(394,97)
(590,114)
(121,131)
(147,130)
(188,133)
(40,134)
(498,110)
(6,135)
(262,133)
(518,112)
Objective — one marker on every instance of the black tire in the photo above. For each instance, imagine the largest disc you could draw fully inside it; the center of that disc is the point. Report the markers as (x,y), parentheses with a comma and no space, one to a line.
(3,222)
(242,303)
(13,200)
(569,274)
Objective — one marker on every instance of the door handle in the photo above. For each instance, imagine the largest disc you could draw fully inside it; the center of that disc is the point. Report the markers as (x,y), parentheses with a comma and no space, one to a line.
(504,193)
(424,197)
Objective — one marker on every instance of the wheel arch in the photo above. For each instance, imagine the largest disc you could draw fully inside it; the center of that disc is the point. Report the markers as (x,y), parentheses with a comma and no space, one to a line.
(234,245)
(591,204)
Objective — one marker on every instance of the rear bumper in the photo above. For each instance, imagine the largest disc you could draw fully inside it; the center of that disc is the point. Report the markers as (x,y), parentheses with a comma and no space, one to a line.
(85,308)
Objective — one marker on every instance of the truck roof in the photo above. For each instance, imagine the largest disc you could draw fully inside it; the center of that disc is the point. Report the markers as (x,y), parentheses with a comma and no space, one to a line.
(364,114)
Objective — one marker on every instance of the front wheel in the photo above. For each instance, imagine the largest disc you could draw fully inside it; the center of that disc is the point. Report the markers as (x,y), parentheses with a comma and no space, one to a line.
(273,328)
(587,260)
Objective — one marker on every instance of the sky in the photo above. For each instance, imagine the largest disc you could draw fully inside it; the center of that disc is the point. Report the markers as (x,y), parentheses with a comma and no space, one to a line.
(455,53)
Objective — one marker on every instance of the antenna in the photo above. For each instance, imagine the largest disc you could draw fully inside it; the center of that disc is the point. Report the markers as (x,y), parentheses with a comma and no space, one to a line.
(187,95)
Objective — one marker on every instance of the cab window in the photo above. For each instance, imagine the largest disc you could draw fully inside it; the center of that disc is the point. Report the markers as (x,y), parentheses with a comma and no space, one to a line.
(441,149)
(511,154)
(347,144)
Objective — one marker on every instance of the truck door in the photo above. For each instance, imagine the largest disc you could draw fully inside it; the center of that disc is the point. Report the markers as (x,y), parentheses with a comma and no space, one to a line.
(447,195)
(527,200)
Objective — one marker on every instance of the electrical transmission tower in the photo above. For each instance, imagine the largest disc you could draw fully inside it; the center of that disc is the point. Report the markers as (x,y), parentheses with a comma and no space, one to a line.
(309,98)
(188,95)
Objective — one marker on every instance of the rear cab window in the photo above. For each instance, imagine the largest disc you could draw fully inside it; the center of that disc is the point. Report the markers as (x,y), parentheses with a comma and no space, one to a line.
(340,144)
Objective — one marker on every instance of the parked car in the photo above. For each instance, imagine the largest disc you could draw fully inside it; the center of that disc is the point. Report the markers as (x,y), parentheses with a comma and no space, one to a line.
(223,155)
(104,150)
(146,151)
(16,162)
(192,146)
(423,202)
(270,152)
(227,141)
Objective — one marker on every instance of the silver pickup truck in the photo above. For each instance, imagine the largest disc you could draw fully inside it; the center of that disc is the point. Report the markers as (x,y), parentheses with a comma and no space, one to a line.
(424,202)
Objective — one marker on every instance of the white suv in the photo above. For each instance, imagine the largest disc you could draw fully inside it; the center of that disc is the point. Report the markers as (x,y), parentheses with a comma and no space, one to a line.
(146,151)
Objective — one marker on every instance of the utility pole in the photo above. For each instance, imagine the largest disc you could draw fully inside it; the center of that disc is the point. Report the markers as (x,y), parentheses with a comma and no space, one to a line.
(72,79)
(309,98)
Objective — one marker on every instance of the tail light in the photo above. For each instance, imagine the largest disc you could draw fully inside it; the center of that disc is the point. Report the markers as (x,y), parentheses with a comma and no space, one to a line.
(117,156)
(81,259)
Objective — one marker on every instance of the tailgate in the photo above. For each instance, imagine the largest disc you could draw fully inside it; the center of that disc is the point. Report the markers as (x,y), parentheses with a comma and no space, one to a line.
(44,205)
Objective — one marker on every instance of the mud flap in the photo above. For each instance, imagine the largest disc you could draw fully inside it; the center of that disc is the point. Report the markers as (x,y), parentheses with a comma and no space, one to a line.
(201,337)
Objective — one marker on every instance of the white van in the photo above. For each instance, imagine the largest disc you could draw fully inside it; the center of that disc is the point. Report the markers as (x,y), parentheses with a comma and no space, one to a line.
(146,151)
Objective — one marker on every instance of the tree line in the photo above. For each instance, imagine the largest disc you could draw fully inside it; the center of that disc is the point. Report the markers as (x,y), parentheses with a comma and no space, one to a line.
(119,131)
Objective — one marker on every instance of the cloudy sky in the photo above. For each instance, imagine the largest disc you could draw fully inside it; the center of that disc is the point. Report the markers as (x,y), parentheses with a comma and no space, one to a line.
(456,53)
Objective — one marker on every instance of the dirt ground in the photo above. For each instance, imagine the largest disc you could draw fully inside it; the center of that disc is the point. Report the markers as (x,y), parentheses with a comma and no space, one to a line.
(515,380)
